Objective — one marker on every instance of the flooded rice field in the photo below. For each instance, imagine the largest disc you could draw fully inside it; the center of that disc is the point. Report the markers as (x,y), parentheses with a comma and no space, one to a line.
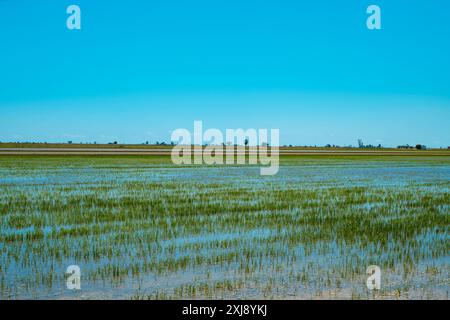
(139,227)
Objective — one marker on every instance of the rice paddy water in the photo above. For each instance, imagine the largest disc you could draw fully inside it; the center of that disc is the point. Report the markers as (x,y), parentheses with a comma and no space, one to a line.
(140,227)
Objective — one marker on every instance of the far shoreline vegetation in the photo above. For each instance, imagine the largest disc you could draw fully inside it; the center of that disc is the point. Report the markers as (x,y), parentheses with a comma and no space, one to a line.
(166,145)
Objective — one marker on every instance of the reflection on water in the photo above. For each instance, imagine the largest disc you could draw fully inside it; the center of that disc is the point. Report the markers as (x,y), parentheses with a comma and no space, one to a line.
(153,230)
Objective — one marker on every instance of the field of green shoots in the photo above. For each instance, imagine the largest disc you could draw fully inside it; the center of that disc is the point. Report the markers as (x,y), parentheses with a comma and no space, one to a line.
(142,228)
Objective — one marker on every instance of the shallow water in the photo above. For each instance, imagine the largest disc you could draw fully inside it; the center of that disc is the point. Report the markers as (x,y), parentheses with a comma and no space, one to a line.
(148,229)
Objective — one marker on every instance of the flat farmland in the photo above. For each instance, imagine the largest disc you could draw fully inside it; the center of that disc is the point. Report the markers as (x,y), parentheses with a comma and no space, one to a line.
(140,227)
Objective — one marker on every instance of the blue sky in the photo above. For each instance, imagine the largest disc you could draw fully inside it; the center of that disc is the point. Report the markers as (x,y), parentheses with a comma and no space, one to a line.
(139,69)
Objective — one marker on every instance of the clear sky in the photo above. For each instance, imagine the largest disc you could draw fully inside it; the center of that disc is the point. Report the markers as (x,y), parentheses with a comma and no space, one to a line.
(139,69)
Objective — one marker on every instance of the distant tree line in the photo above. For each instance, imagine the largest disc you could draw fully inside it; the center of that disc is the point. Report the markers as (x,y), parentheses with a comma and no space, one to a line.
(418,147)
